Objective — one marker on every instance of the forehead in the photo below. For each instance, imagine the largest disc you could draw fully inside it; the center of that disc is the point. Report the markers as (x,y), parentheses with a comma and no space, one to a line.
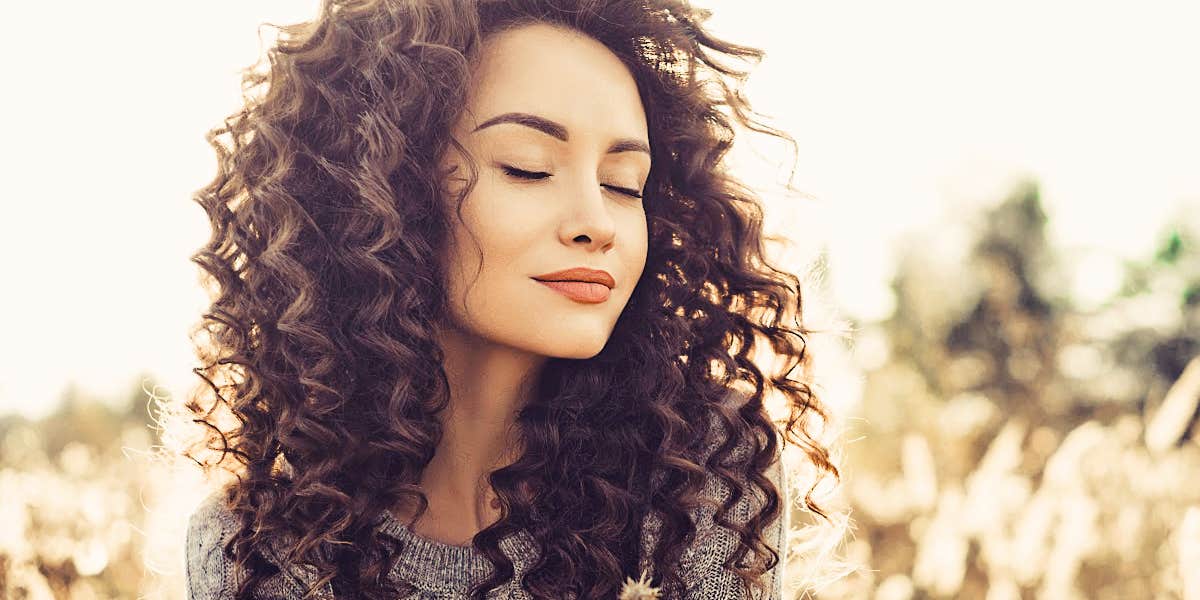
(558,74)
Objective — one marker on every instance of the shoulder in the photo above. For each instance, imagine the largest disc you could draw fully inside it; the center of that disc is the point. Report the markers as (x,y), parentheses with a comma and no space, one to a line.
(702,561)
(704,570)
(210,574)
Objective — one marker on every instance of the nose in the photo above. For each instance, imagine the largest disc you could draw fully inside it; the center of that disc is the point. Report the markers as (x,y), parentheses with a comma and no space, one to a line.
(590,220)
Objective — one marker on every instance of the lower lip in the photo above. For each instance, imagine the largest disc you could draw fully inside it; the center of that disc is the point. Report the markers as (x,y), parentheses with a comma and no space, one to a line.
(579,291)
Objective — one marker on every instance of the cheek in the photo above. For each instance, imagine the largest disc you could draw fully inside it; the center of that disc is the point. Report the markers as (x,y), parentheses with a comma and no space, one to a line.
(637,232)
(633,254)
(499,220)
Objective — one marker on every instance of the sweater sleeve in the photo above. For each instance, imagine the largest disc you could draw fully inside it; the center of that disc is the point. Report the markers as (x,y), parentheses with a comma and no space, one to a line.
(209,574)
(212,576)
(716,544)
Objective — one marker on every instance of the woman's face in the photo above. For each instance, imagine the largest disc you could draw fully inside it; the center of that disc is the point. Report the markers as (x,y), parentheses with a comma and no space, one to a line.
(555,124)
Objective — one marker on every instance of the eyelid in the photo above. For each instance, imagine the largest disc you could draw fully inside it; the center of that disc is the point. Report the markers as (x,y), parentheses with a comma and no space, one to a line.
(523,174)
(622,190)
(539,175)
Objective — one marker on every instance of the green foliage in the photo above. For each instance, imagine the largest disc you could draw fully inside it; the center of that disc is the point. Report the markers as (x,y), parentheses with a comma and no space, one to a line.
(1171,249)
(1003,446)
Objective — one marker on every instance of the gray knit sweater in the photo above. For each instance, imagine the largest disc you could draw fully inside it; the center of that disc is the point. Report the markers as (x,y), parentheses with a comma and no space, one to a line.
(442,571)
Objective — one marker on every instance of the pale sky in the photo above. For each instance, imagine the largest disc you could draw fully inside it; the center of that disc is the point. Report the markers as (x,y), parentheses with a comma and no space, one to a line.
(905,113)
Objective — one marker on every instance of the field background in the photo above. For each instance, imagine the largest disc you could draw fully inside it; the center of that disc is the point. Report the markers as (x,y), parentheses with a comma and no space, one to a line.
(996,210)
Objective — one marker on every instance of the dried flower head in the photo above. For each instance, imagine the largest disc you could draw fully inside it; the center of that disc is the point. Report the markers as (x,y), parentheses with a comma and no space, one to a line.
(638,590)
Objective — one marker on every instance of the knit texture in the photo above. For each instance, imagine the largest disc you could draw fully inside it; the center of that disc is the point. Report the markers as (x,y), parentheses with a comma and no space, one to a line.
(442,571)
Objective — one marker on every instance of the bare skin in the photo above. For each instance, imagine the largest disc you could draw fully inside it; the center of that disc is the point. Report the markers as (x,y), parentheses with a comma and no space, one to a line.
(576,212)
(478,437)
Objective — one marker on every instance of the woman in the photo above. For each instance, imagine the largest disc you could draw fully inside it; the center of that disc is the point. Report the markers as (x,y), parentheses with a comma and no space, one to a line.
(483,305)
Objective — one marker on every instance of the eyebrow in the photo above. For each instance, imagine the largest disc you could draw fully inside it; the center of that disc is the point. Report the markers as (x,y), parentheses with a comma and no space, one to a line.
(559,132)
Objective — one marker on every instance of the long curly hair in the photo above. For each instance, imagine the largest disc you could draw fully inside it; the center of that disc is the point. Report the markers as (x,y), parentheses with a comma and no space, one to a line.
(321,375)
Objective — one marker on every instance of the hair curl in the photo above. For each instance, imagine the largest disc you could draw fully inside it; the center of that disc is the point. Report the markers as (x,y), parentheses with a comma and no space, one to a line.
(326,224)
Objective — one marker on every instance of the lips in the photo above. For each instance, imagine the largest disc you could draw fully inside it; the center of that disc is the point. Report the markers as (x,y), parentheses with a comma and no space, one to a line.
(581,284)
(582,274)
(580,291)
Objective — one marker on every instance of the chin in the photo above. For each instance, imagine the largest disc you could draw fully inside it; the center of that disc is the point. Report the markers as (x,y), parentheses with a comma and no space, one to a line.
(582,355)
(574,350)
(579,353)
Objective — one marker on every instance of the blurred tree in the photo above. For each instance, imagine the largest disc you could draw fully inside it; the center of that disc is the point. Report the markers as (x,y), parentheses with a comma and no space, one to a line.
(95,421)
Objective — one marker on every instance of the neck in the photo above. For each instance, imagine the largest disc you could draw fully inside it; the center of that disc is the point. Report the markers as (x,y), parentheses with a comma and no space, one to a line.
(489,384)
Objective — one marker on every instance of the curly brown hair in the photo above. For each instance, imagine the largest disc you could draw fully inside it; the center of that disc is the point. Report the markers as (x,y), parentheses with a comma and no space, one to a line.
(327,219)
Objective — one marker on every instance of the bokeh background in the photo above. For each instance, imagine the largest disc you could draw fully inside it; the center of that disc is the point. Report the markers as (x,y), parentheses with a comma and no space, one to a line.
(996,207)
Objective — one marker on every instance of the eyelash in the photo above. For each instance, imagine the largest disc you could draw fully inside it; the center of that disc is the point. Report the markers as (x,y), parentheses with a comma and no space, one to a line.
(537,176)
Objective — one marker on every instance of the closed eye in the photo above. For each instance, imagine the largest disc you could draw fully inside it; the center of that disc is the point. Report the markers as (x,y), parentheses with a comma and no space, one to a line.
(537,175)
(522,174)
(626,191)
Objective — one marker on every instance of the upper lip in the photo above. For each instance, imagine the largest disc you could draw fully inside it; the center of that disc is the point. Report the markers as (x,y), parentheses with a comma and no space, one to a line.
(580,274)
